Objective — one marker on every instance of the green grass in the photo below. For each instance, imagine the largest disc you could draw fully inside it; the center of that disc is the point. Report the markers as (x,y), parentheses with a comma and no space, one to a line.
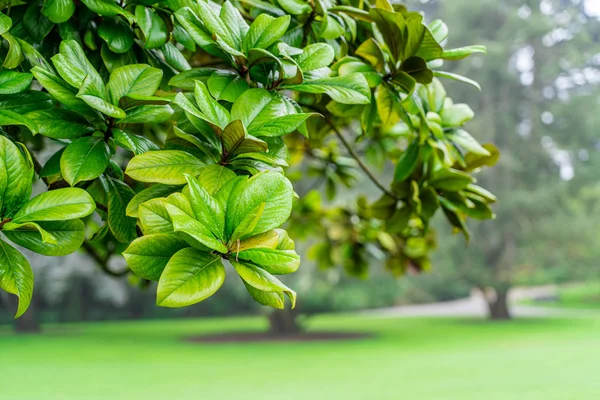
(581,296)
(422,359)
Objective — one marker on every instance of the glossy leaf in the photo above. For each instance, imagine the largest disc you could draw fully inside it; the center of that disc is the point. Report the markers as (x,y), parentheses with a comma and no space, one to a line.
(16,276)
(57,205)
(84,159)
(69,236)
(189,277)
(165,166)
(60,124)
(148,255)
(16,174)
(347,89)
(12,82)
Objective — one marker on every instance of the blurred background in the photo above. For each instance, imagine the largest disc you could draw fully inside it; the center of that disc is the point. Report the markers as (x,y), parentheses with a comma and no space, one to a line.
(515,314)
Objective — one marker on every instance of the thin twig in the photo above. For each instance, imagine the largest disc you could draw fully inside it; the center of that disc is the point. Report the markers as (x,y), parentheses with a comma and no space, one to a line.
(360,162)
(102,261)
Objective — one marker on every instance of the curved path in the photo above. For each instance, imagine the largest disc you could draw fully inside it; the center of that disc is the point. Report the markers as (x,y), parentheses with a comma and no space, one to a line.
(475,306)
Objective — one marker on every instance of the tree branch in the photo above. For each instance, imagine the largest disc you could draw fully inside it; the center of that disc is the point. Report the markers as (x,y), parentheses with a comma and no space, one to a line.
(360,162)
(102,262)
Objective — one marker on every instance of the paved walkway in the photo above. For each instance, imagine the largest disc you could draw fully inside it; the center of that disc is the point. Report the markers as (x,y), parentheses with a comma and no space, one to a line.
(475,306)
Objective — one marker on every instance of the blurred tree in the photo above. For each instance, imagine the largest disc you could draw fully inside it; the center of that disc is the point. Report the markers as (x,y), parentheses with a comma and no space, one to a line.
(539,105)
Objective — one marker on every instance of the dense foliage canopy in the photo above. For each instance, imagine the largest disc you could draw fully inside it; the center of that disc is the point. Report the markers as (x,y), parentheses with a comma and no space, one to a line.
(166,128)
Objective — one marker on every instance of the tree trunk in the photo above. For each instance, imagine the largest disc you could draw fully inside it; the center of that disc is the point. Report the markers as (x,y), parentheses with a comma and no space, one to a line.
(26,323)
(497,301)
(284,322)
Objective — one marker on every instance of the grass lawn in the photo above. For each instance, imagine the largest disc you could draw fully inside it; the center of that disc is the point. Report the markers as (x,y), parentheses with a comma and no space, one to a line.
(420,359)
(581,295)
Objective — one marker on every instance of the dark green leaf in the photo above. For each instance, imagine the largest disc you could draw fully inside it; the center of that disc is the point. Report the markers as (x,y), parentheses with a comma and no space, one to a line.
(84,159)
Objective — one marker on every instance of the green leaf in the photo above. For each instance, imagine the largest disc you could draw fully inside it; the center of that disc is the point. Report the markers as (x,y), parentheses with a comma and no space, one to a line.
(60,123)
(215,113)
(457,77)
(475,161)
(16,276)
(5,23)
(210,151)
(198,32)
(8,117)
(213,23)
(16,175)
(150,193)
(331,27)
(95,96)
(165,166)
(119,195)
(12,82)
(389,107)
(174,57)
(439,30)
(57,205)
(407,163)
(235,23)
(273,251)
(25,102)
(262,280)
(372,52)
(148,255)
(187,223)
(206,208)
(236,141)
(315,56)
(267,187)
(295,7)
(280,126)
(189,277)
(135,143)
(462,52)
(14,57)
(69,237)
(404,81)
(84,159)
(226,85)
(417,68)
(481,192)
(36,24)
(135,79)
(265,30)
(153,27)
(186,79)
(154,217)
(58,11)
(147,114)
(391,25)
(108,8)
(116,34)
(450,179)
(275,261)
(246,226)
(73,66)
(61,91)
(213,177)
(456,115)
(43,235)
(468,142)
(269,299)
(205,126)
(347,89)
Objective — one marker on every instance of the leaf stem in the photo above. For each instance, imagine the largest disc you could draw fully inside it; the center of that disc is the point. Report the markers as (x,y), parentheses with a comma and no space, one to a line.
(102,261)
(360,162)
